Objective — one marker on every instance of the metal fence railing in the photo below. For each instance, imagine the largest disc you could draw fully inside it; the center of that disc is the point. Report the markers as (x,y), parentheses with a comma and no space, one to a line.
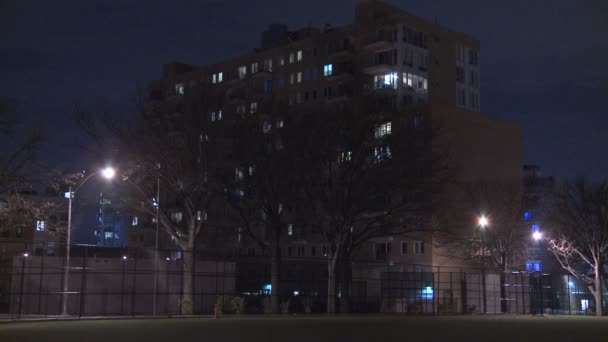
(112,281)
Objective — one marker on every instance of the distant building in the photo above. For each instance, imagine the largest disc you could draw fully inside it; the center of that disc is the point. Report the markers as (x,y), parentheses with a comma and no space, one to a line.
(538,190)
(113,221)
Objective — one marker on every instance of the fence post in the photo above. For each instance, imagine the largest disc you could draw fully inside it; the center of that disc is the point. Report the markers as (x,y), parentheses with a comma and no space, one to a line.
(122,289)
(133,291)
(83,281)
(22,282)
(40,280)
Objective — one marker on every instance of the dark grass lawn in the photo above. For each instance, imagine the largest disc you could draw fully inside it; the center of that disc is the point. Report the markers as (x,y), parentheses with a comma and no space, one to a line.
(314,328)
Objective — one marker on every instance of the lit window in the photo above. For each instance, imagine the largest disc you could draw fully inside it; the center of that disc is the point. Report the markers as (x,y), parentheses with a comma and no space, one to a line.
(242,72)
(134,221)
(213,78)
(382,153)
(292,57)
(280,123)
(281,60)
(290,229)
(385,81)
(382,130)
(403,247)
(179,89)
(268,65)
(299,77)
(327,70)
(239,235)
(201,215)
(177,217)
(219,115)
(427,293)
(299,55)
(584,304)
(266,127)
(416,82)
(220,77)
(40,225)
(298,97)
(419,247)
(345,156)
(254,68)
(212,117)
(292,78)
(251,170)
(108,235)
(239,175)
(253,108)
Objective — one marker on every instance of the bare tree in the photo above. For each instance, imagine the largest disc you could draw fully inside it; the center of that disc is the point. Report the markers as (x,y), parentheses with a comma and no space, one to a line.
(366,176)
(172,159)
(579,236)
(262,190)
(20,143)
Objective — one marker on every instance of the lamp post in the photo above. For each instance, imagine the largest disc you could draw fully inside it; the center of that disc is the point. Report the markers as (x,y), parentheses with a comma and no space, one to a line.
(156,246)
(537,236)
(483,223)
(107,173)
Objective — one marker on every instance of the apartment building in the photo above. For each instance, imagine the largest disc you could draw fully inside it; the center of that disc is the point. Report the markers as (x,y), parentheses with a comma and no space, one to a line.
(400,59)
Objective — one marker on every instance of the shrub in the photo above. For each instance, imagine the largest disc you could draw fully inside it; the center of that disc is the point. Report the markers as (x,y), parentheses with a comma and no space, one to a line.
(220,303)
(285,306)
(238,305)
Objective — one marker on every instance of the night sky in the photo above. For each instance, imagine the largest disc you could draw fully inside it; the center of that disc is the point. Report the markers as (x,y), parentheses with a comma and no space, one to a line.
(544,64)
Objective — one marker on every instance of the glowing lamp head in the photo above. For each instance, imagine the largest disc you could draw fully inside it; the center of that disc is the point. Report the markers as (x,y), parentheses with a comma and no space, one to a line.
(25,254)
(483,221)
(537,236)
(108,172)
(124,257)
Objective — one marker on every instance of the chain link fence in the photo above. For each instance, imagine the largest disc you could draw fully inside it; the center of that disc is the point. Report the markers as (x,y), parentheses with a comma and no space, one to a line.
(143,282)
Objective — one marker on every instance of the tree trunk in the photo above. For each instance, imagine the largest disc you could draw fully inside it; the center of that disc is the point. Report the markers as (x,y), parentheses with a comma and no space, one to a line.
(331,283)
(275,278)
(187,302)
(346,280)
(597,294)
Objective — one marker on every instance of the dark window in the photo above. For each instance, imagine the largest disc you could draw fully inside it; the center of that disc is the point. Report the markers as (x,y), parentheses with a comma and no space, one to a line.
(307,74)
(281,82)
(314,51)
(315,73)
(313,251)
(314,94)
(289,251)
(403,247)
(267,86)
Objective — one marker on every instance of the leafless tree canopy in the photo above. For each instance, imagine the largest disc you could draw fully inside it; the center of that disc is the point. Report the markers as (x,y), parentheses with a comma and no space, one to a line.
(579,232)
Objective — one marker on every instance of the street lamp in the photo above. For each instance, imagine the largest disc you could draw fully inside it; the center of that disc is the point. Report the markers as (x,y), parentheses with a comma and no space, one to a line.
(483,222)
(107,173)
(537,236)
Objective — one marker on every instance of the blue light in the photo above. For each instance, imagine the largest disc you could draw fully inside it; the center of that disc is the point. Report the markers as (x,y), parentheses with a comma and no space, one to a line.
(427,293)
(267,288)
(534,228)
(570,284)
(527,216)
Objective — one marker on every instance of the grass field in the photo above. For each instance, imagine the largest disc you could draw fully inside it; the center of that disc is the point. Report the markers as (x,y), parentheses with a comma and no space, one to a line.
(314,328)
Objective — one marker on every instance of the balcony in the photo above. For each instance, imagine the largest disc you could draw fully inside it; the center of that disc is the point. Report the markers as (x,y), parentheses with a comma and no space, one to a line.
(376,69)
(384,39)
(342,71)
